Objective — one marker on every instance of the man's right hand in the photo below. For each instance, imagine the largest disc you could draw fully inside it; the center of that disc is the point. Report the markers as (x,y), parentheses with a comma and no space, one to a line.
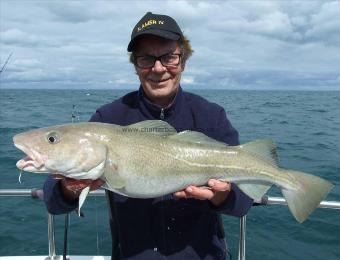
(71,188)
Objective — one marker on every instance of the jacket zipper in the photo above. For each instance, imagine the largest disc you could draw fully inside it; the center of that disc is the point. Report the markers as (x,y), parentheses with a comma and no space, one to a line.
(161,116)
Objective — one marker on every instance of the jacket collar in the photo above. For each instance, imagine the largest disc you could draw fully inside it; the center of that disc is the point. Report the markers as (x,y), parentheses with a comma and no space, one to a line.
(154,111)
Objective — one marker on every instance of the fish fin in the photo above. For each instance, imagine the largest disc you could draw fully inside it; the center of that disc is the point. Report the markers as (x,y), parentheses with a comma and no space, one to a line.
(264,148)
(197,137)
(303,200)
(157,127)
(82,198)
(255,191)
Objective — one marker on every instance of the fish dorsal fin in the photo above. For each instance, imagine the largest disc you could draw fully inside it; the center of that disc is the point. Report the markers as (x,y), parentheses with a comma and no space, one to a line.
(197,137)
(157,127)
(263,148)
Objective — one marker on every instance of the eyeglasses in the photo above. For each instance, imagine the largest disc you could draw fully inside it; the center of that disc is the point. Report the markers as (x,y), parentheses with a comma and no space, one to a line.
(167,60)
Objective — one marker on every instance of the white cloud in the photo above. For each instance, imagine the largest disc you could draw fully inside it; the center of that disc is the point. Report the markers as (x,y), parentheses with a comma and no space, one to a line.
(237,43)
(26,63)
(188,80)
(79,11)
(18,37)
(325,25)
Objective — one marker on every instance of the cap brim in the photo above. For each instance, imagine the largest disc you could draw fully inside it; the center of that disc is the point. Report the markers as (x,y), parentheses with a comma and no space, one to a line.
(161,33)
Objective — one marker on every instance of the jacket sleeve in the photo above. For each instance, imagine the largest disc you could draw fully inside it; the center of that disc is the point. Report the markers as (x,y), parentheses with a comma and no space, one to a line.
(96,117)
(237,203)
(54,201)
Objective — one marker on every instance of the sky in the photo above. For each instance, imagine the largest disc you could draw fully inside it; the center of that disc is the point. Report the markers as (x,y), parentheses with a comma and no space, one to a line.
(237,44)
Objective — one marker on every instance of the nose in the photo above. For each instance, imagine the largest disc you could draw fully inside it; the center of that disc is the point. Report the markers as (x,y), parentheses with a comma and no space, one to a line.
(158,67)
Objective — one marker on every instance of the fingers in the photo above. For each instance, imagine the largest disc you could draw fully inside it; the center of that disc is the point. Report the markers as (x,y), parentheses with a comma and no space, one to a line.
(195,192)
(181,194)
(71,188)
(217,185)
(217,193)
(221,191)
(75,185)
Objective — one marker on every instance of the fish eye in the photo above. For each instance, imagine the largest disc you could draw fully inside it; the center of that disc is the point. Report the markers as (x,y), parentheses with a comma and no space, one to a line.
(53,138)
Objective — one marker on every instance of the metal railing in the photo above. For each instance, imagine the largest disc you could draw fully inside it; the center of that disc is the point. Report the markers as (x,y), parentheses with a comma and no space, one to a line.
(38,194)
(266,200)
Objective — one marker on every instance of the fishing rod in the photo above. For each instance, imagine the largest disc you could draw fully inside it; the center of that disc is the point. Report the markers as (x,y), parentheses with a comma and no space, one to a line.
(4,66)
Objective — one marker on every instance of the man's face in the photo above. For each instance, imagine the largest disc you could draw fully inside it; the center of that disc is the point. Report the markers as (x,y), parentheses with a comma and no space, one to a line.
(160,83)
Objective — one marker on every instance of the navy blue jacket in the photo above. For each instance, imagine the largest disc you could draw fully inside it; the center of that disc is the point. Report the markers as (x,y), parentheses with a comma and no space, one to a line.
(165,227)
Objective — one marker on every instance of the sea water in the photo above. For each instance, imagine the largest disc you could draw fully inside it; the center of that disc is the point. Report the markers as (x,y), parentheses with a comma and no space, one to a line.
(304,124)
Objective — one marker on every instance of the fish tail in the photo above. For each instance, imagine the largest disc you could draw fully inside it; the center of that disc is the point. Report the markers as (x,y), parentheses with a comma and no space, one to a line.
(304,199)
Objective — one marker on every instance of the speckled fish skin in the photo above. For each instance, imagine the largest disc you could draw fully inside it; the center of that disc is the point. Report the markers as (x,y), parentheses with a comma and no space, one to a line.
(149,159)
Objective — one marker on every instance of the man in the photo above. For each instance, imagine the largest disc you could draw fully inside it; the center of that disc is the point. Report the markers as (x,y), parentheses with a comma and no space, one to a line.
(184,225)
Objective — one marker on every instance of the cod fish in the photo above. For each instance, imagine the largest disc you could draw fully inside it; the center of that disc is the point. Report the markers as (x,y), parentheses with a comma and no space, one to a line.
(150,159)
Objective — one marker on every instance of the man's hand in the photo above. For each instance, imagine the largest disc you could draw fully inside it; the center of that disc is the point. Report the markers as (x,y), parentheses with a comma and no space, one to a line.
(217,192)
(72,188)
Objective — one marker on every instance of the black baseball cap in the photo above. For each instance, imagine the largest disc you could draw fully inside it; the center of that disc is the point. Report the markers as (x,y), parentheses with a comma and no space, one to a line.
(156,24)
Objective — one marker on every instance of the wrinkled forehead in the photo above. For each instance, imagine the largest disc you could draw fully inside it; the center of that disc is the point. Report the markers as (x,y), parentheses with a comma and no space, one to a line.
(154,45)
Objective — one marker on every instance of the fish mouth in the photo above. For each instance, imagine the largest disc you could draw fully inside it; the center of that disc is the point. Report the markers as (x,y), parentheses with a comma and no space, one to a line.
(33,162)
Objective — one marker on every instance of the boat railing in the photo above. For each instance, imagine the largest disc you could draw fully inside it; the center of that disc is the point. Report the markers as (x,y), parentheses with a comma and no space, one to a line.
(266,200)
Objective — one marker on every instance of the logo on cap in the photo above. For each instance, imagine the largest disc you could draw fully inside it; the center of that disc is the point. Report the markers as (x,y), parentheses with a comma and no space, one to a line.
(148,23)
(155,24)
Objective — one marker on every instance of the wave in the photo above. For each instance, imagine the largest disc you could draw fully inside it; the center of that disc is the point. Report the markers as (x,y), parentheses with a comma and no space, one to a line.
(317,110)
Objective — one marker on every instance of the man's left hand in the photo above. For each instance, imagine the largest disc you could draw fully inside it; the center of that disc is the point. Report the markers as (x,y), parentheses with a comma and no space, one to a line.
(217,192)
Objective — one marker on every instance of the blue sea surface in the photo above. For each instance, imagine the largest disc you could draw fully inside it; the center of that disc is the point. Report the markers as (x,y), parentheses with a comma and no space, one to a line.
(304,124)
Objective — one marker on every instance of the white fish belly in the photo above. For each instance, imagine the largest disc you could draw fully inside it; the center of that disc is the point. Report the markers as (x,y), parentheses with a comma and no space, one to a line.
(141,186)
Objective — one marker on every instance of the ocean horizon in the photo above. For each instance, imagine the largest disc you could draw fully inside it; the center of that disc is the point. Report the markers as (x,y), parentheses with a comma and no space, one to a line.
(305,125)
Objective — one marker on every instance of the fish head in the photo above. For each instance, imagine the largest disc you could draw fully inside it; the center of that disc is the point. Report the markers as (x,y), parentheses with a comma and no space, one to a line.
(70,150)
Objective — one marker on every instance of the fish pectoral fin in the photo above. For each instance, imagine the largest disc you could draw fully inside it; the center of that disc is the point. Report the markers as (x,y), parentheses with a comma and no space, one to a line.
(82,198)
(254,190)
(157,127)
(197,137)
